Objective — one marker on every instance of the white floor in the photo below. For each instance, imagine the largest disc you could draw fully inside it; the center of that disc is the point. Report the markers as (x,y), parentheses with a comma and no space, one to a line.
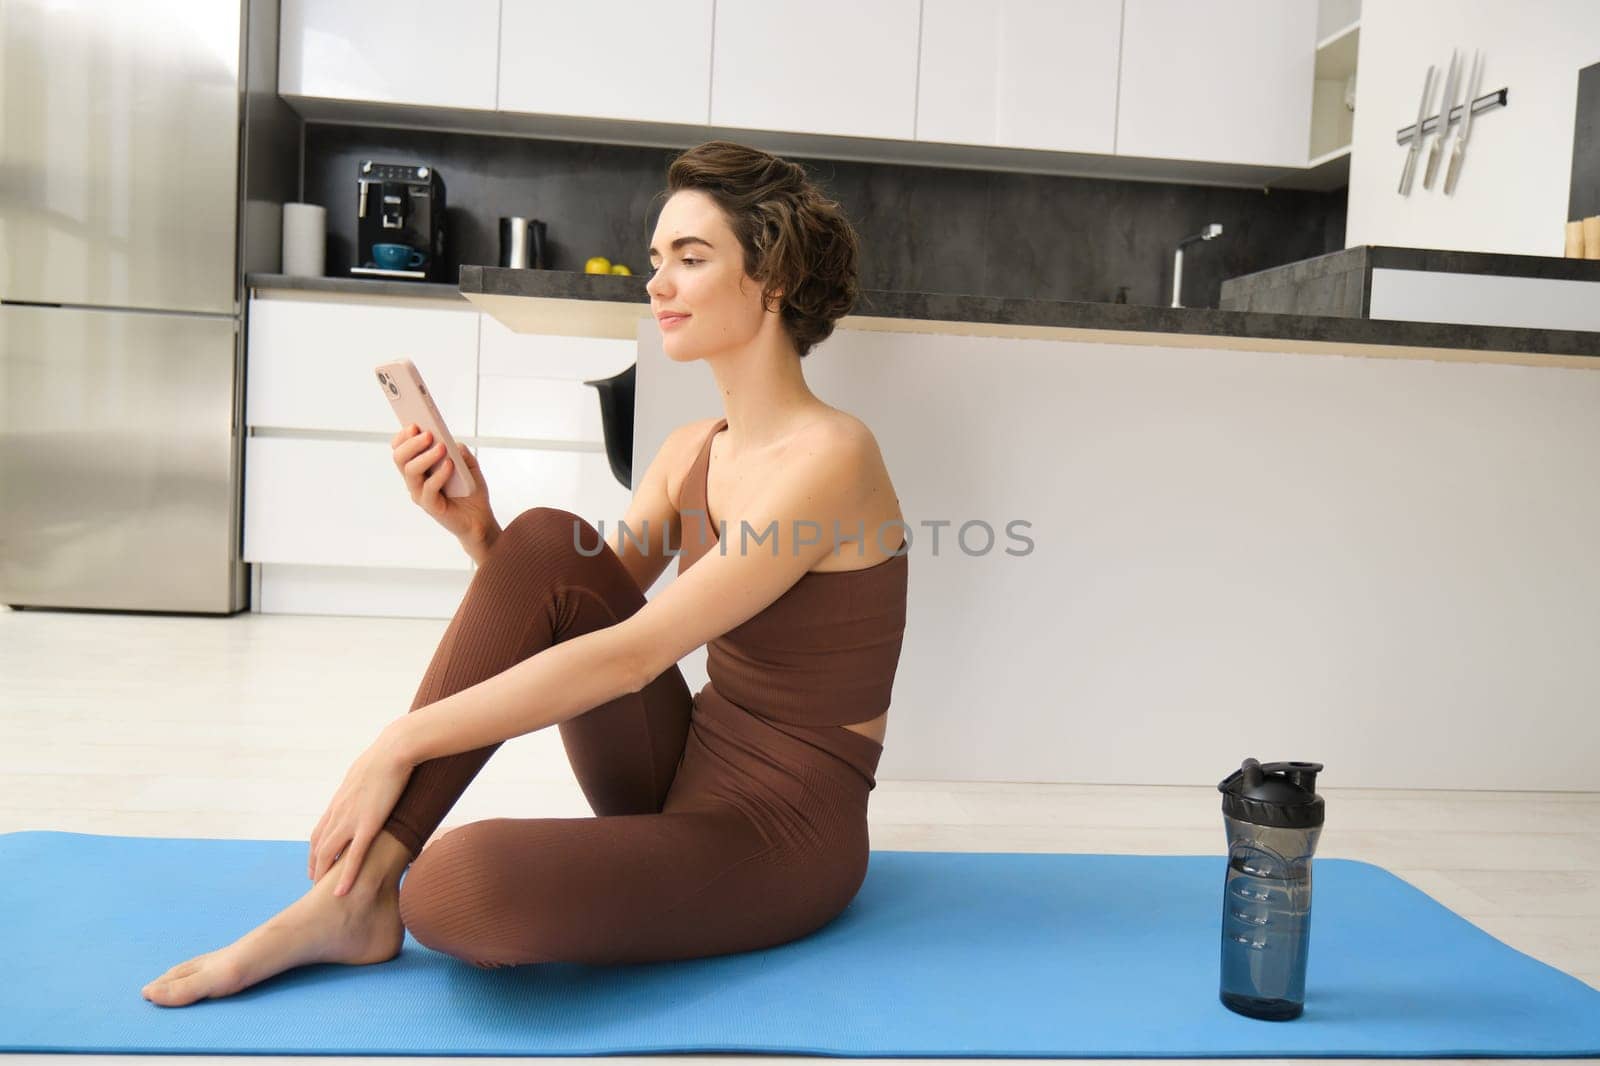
(243,727)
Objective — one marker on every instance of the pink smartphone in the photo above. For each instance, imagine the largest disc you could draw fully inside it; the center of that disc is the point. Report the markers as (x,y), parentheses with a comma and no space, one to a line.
(409,397)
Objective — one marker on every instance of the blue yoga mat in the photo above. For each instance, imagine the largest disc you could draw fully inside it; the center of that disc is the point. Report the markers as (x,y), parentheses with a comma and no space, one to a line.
(941,954)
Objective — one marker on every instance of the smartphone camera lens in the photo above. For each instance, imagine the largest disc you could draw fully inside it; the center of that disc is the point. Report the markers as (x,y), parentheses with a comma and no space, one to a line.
(393,390)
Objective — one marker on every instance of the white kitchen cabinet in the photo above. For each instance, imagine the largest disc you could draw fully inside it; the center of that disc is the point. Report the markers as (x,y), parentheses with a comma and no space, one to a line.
(1038,74)
(337,503)
(843,67)
(544,409)
(580,482)
(507,354)
(328,523)
(310,364)
(625,59)
(532,385)
(393,51)
(1226,81)
(342,503)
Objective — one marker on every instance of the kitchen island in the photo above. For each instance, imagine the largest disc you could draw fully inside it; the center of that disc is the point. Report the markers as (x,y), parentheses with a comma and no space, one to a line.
(603,305)
(1428,285)
(1365,543)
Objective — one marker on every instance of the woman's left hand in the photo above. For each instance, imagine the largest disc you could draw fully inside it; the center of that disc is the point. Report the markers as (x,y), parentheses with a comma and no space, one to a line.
(357,811)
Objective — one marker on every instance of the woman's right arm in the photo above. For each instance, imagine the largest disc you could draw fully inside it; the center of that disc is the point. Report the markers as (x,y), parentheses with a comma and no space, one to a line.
(480,547)
(470,518)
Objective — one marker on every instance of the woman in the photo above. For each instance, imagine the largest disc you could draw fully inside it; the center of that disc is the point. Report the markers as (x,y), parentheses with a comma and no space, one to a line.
(729,820)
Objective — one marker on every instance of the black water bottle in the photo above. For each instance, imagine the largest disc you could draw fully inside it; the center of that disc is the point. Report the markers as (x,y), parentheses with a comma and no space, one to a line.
(1273,816)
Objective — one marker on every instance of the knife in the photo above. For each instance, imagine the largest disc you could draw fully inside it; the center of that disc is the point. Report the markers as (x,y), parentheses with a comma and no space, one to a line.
(1451,171)
(1416,138)
(1445,105)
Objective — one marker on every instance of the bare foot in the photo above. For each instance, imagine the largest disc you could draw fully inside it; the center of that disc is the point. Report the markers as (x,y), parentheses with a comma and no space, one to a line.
(359,928)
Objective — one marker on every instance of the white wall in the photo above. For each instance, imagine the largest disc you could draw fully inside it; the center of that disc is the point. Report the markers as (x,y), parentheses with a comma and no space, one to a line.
(1385,565)
(1515,177)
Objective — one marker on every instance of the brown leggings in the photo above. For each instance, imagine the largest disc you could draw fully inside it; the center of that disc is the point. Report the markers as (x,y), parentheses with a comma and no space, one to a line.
(715,830)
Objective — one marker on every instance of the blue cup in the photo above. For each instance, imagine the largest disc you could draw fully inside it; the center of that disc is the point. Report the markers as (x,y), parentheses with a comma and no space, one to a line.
(397,256)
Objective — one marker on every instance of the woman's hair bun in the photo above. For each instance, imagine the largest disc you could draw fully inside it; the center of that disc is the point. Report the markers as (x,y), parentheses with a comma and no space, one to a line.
(797,243)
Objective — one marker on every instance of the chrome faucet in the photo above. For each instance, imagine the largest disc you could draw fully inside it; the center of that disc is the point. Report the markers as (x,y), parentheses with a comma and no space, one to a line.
(1213,229)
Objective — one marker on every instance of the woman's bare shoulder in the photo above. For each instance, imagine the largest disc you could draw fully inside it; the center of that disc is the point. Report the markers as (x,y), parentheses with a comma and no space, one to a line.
(680,450)
(851,432)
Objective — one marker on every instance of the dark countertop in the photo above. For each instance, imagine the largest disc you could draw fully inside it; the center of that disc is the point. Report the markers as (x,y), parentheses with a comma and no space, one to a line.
(1339,284)
(1386,257)
(1013,312)
(355,286)
(1138,318)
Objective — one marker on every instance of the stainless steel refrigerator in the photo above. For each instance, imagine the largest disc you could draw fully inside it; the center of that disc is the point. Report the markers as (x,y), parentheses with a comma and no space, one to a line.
(144,159)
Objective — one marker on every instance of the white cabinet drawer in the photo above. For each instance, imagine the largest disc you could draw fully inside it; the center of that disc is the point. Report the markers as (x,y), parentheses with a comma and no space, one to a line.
(337,503)
(342,503)
(580,482)
(394,51)
(536,355)
(532,385)
(1039,74)
(1226,81)
(309,363)
(539,409)
(628,59)
(829,66)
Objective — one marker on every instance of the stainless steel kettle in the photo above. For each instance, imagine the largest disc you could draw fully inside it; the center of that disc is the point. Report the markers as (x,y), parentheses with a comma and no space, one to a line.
(522,243)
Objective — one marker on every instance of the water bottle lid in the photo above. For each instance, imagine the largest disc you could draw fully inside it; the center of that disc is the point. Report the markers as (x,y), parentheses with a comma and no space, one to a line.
(1256,793)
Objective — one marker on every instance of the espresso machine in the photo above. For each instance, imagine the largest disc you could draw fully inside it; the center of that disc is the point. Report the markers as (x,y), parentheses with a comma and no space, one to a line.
(400,212)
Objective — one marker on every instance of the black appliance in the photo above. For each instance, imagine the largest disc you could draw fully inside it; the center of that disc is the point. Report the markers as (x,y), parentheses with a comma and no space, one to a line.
(400,203)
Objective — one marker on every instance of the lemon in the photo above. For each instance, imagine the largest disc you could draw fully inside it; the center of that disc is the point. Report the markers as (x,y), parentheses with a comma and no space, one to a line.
(597,265)
(620,268)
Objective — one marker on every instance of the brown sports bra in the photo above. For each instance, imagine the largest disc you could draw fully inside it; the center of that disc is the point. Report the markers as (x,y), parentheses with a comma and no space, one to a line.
(822,654)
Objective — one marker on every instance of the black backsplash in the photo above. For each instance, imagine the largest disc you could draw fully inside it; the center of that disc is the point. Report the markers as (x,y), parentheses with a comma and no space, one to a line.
(923,229)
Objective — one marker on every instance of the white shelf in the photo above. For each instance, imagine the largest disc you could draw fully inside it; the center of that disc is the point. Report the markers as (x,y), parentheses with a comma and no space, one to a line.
(1341,152)
(1326,172)
(1336,53)
(1332,124)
